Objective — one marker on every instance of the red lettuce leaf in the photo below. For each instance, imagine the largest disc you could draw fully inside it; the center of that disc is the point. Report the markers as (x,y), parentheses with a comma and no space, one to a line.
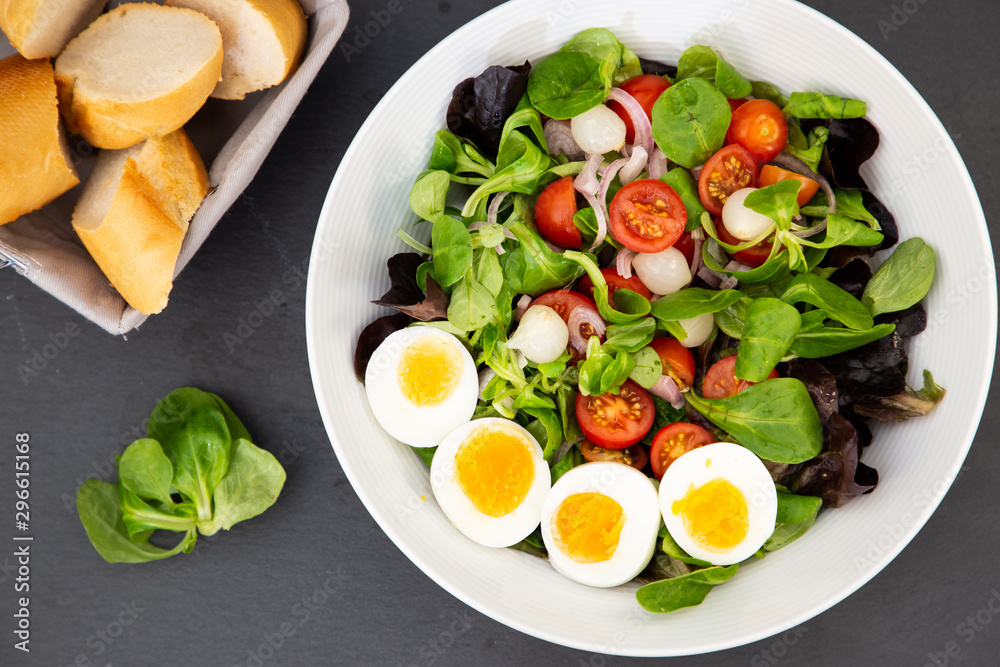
(480,106)
(835,475)
(853,277)
(372,336)
(851,143)
(405,294)
(656,67)
(878,368)
(819,382)
(902,406)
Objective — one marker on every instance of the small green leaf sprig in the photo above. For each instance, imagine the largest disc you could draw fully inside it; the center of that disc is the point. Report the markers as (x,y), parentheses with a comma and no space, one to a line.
(197,472)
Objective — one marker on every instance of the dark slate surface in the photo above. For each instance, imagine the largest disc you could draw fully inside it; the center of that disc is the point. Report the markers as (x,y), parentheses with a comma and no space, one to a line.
(258,596)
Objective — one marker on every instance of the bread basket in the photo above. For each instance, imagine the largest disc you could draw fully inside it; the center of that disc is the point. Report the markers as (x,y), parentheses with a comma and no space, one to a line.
(42,245)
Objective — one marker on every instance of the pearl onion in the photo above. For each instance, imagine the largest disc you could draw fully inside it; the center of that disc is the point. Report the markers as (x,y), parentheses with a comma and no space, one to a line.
(662,272)
(598,130)
(698,329)
(742,222)
(541,336)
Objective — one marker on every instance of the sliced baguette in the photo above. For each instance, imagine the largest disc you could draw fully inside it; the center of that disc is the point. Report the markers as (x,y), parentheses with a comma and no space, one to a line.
(41,28)
(134,212)
(35,166)
(262,41)
(140,70)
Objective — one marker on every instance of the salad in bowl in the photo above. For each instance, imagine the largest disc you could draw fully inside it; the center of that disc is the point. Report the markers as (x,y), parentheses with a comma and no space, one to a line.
(647,338)
(359,230)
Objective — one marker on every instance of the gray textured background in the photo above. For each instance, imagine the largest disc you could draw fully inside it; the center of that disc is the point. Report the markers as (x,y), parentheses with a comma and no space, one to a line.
(219,605)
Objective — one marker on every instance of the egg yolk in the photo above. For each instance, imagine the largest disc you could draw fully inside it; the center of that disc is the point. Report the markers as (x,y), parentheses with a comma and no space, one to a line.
(587,527)
(714,514)
(495,470)
(429,370)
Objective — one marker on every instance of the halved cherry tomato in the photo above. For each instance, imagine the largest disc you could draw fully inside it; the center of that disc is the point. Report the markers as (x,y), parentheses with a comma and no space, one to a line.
(686,245)
(647,216)
(754,255)
(732,168)
(677,360)
(721,381)
(760,127)
(645,88)
(554,211)
(634,456)
(615,283)
(616,421)
(673,441)
(769,175)
(564,302)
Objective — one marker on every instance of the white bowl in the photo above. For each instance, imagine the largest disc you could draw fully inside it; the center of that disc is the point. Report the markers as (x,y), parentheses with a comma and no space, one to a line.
(917,172)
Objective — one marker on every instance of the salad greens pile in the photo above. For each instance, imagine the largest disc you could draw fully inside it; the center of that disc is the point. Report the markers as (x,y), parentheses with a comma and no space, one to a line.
(197,472)
(812,309)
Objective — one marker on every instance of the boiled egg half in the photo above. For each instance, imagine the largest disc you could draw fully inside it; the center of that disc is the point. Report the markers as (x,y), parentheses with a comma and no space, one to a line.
(599,523)
(719,503)
(490,480)
(421,384)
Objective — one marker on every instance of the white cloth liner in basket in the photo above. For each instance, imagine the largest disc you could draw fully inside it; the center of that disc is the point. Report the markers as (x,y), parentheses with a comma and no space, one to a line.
(42,245)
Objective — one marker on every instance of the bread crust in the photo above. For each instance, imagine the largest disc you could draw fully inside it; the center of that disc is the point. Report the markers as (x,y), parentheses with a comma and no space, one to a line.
(285,18)
(138,240)
(107,122)
(35,167)
(289,25)
(41,28)
(16,17)
(138,259)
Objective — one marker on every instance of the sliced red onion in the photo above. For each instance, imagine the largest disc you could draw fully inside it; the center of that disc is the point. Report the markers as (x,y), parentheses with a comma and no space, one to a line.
(636,163)
(522,305)
(738,266)
(602,192)
(698,236)
(506,232)
(712,278)
(815,229)
(553,247)
(564,449)
(494,209)
(666,389)
(715,250)
(578,318)
(560,139)
(602,220)
(792,163)
(482,223)
(640,121)
(729,282)
(586,182)
(623,262)
(696,171)
(656,165)
(485,376)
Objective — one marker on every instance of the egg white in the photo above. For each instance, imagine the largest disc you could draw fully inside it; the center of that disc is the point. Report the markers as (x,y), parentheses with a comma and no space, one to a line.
(637,496)
(742,469)
(418,425)
(487,530)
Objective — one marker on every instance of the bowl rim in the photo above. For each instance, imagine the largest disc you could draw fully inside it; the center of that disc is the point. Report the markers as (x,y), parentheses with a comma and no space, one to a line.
(435,570)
